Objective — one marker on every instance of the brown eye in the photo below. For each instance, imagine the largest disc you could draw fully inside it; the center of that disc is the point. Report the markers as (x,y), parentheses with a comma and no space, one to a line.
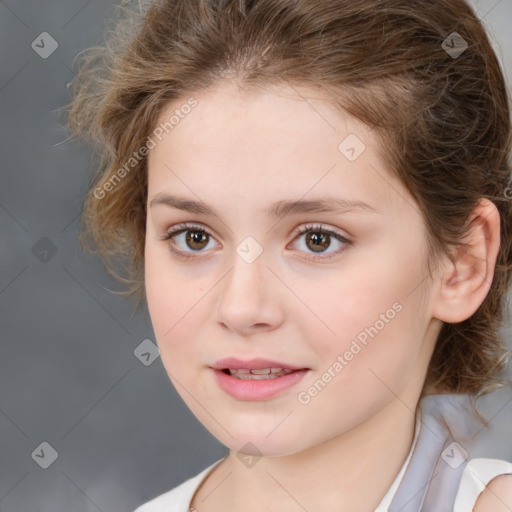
(196,239)
(319,241)
(188,240)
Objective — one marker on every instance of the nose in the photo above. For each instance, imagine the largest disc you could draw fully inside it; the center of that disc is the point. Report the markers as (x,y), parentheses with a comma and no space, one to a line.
(249,298)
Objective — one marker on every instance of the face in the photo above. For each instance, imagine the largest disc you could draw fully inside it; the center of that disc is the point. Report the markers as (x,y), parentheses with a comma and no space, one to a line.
(340,292)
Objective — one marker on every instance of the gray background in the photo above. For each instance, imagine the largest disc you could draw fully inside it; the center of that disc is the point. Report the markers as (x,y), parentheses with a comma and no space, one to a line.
(69,375)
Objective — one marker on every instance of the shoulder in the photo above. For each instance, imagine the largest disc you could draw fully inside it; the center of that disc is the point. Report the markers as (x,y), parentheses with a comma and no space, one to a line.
(486,485)
(170,500)
(179,497)
(497,495)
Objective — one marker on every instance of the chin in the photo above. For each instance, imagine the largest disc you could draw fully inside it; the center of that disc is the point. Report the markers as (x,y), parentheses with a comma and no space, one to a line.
(260,446)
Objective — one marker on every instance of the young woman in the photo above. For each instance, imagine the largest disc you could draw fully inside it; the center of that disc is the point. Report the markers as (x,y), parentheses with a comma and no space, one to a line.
(313,197)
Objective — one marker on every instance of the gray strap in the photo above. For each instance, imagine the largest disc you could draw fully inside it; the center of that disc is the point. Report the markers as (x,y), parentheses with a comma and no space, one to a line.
(449,437)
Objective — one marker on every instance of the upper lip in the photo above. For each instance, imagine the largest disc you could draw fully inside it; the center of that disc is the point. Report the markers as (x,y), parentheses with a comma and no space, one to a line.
(251,364)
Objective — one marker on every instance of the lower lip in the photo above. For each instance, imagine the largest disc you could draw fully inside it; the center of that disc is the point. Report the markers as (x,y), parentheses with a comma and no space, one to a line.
(257,389)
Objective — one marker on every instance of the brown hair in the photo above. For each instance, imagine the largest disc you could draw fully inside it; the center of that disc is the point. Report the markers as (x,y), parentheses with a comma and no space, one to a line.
(443,120)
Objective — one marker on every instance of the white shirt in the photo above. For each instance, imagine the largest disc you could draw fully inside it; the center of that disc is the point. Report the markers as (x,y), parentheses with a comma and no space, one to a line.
(476,475)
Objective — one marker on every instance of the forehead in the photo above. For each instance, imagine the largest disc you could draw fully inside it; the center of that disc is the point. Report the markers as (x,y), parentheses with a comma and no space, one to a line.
(280,143)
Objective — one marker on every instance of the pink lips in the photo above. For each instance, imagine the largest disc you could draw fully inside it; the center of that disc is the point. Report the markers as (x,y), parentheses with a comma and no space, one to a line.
(255,389)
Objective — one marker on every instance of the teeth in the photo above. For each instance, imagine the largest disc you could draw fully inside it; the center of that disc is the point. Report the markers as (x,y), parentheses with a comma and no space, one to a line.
(261,372)
(265,373)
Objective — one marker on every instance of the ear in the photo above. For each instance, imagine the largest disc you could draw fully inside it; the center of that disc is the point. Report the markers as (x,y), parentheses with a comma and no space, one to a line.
(467,277)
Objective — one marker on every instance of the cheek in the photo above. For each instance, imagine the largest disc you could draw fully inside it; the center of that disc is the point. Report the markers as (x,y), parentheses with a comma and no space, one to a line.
(376,323)
(362,368)
(172,303)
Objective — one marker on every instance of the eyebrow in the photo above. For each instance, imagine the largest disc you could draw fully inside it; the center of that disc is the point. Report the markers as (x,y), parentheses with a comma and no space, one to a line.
(276,211)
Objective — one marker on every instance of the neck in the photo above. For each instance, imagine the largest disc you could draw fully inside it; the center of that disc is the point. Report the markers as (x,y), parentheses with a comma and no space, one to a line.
(352,471)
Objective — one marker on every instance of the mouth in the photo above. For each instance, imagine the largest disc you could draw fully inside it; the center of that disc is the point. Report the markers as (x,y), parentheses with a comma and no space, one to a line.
(257,378)
(262,374)
(258,384)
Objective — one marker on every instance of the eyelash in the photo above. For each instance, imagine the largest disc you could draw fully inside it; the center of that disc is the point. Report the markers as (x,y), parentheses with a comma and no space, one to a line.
(315,228)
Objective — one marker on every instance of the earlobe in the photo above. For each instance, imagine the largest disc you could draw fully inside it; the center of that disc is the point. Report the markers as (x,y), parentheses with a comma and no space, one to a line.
(469,274)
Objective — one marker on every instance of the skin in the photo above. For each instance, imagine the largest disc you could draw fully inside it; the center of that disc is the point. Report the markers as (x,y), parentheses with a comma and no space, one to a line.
(240,151)
(497,496)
